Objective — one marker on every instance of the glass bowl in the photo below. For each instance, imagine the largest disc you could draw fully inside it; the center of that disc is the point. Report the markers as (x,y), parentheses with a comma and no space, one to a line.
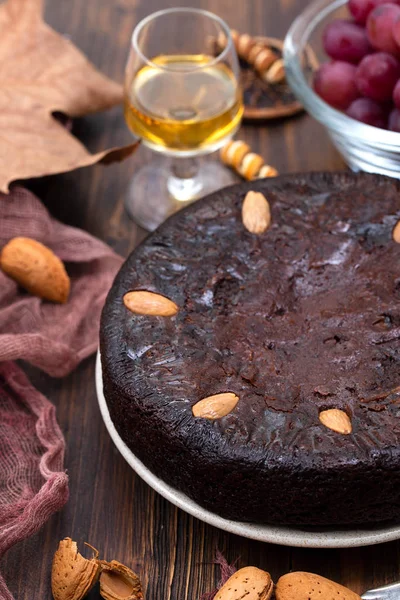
(362,146)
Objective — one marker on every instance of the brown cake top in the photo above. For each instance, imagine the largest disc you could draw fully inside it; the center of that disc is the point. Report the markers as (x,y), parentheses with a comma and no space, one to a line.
(300,322)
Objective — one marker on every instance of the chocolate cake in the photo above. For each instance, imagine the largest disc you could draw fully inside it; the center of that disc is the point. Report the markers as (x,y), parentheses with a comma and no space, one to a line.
(299,320)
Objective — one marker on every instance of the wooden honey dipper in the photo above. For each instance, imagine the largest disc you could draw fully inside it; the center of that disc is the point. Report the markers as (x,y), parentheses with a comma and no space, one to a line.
(238,155)
(264,60)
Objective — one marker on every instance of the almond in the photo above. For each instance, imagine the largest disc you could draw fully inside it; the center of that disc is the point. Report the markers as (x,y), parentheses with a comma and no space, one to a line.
(36,268)
(256,214)
(118,582)
(307,586)
(337,420)
(396,232)
(142,302)
(72,575)
(215,407)
(248,583)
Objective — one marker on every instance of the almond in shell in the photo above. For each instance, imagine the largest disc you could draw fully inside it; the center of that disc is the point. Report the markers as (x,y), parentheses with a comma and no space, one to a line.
(35,268)
(215,407)
(72,575)
(307,586)
(256,213)
(143,302)
(118,582)
(248,583)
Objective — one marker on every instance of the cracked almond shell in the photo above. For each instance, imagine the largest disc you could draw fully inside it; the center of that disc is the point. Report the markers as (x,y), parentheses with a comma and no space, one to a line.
(118,582)
(72,575)
(337,420)
(216,406)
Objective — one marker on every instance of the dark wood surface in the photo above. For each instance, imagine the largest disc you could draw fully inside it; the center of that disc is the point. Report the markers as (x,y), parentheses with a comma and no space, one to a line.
(110,506)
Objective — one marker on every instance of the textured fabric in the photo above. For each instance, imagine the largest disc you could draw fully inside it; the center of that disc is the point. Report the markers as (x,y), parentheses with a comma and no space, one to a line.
(55,338)
(52,337)
(226,570)
(33,484)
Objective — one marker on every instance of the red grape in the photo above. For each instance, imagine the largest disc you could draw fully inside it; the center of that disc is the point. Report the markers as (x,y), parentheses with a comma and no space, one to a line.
(396,30)
(344,40)
(377,75)
(396,94)
(394,120)
(367,111)
(360,9)
(380,25)
(335,83)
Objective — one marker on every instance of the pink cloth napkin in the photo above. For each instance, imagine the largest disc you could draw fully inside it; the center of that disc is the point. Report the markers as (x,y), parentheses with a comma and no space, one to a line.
(33,484)
(55,338)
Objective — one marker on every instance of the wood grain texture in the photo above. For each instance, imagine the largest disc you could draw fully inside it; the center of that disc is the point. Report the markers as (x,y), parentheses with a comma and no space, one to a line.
(109,506)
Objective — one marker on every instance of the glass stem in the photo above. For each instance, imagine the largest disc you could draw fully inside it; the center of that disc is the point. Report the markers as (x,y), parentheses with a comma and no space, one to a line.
(184,183)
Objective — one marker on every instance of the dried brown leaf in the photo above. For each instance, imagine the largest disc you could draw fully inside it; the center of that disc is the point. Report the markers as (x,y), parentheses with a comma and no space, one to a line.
(42,72)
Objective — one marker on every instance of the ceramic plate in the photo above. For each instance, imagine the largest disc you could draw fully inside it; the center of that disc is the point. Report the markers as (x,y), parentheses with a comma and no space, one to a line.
(286,536)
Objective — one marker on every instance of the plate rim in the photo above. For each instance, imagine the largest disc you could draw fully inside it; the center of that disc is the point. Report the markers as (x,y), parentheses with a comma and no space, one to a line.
(272,534)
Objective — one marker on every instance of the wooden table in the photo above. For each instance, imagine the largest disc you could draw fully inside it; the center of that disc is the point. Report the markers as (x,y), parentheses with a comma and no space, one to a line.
(109,506)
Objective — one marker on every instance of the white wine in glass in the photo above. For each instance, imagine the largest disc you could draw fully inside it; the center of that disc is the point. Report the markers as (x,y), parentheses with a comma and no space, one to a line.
(183,102)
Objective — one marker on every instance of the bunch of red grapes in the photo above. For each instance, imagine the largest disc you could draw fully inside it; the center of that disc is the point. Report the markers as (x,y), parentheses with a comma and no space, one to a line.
(363,77)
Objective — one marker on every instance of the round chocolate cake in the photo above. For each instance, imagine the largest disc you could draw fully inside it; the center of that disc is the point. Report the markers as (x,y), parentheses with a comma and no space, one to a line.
(296,332)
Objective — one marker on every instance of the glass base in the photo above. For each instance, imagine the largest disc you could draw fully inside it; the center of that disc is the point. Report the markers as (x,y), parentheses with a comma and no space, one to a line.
(155,192)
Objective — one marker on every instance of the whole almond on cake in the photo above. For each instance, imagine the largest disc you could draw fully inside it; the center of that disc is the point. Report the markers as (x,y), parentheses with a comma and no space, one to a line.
(256,213)
(35,268)
(216,406)
(152,304)
(337,420)
(307,586)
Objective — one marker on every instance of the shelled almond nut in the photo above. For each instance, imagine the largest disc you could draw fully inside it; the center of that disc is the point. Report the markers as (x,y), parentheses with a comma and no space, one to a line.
(256,213)
(142,302)
(216,406)
(72,575)
(36,268)
(248,583)
(396,232)
(337,420)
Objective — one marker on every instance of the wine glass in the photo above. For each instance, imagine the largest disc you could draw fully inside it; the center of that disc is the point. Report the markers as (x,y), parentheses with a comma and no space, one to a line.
(184,101)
